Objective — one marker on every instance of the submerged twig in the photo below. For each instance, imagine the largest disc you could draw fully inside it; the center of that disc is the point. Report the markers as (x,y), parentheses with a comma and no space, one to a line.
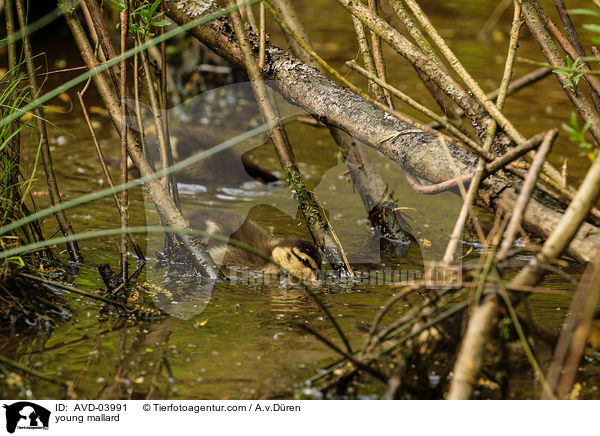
(33,372)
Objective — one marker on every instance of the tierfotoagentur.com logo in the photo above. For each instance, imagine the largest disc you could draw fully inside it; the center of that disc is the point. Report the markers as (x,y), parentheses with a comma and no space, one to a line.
(25,415)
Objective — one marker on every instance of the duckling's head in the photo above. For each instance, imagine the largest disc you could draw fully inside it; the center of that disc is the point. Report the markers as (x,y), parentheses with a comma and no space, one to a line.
(299,257)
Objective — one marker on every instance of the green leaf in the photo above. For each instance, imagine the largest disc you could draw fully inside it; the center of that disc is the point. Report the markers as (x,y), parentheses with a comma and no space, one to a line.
(586,126)
(118,6)
(161,23)
(592,27)
(145,15)
(136,11)
(568,128)
(589,12)
(574,121)
(568,62)
(154,6)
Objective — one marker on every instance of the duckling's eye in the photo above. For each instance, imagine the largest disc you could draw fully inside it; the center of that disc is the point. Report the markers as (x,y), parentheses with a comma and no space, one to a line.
(305,262)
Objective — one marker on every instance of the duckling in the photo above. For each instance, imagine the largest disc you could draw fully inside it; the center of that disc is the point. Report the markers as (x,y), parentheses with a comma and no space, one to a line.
(298,256)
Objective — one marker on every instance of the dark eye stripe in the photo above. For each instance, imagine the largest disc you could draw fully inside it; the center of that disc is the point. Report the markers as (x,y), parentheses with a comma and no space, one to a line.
(305,262)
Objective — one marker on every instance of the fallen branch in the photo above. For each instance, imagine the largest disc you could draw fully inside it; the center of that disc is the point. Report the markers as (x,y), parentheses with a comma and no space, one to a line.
(419,152)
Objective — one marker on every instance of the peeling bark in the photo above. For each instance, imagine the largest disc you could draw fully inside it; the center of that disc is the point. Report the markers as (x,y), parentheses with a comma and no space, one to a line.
(419,152)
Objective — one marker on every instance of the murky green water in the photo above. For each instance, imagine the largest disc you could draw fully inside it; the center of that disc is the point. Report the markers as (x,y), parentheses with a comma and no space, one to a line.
(245,342)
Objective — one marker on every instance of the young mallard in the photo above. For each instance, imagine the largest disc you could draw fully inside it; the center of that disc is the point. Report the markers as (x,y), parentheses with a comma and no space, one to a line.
(297,256)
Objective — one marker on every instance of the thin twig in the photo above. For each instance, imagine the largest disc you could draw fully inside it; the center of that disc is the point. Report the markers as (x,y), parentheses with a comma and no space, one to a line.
(470,358)
(348,355)
(367,57)
(262,36)
(378,56)
(74,290)
(501,162)
(516,215)
(53,190)
(124,209)
(33,372)
(591,283)
(451,249)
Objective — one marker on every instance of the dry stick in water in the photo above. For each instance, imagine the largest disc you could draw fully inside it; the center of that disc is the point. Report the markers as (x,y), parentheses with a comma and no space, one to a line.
(162,200)
(93,34)
(418,59)
(285,9)
(10,28)
(470,358)
(53,189)
(473,108)
(456,65)
(553,56)
(515,86)
(124,209)
(156,117)
(523,81)
(348,355)
(526,192)
(308,51)
(107,176)
(312,54)
(322,233)
(103,164)
(295,83)
(262,36)
(13,148)
(537,22)
(452,248)
(382,210)
(246,13)
(104,39)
